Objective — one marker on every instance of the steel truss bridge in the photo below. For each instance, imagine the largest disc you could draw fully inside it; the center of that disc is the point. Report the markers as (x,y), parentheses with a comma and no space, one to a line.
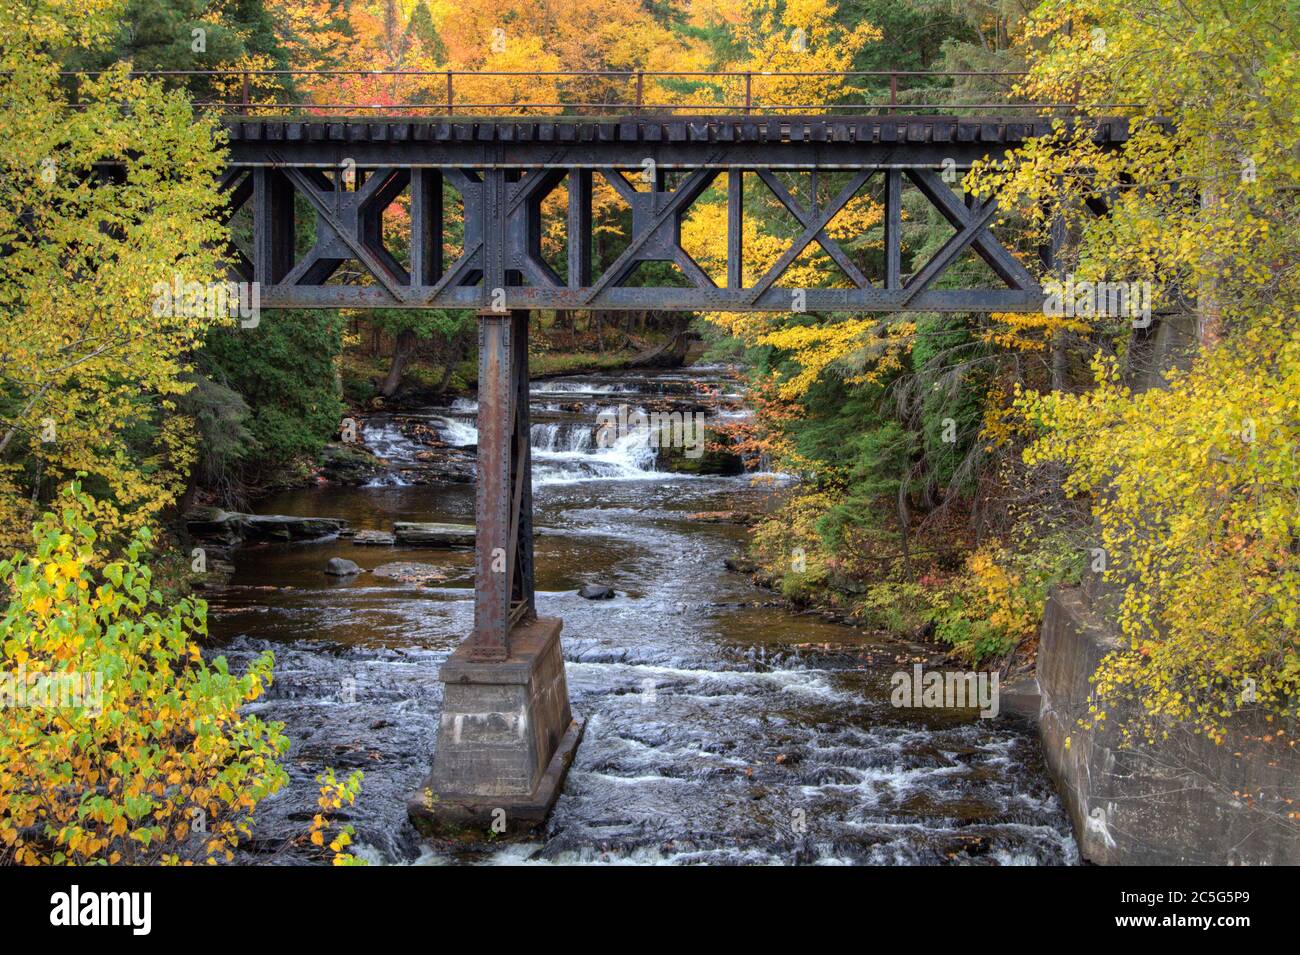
(349,172)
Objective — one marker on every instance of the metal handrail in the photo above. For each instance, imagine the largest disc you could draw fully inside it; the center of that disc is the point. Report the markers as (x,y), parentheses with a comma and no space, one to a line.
(448,102)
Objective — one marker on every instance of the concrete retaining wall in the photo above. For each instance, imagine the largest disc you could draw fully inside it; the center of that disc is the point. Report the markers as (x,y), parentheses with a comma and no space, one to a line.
(1182,801)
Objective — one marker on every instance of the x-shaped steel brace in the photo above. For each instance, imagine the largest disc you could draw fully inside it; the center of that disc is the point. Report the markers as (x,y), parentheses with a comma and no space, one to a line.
(814,223)
(972,230)
(237,185)
(656,229)
(348,226)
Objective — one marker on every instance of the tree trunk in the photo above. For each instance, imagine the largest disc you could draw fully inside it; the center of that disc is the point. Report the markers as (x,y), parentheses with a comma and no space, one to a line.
(1060,356)
(403,350)
(671,354)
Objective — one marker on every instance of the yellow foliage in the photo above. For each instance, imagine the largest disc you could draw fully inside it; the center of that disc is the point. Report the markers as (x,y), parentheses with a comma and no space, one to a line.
(92,367)
(120,743)
(1197,491)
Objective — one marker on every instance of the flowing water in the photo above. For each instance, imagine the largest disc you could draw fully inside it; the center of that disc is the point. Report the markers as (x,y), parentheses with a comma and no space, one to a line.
(720,726)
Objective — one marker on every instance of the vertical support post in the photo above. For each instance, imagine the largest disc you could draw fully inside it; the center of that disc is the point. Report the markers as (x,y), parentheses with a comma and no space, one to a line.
(492,545)
(579,227)
(522,599)
(426,227)
(735,227)
(503,499)
(450,99)
(495,191)
(749,92)
(273,226)
(893,227)
(640,90)
(893,91)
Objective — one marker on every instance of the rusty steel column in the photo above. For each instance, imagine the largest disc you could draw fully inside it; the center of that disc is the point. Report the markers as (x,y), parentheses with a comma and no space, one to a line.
(522,604)
(503,499)
(490,639)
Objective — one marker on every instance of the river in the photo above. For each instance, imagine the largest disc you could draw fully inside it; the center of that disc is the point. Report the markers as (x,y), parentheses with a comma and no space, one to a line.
(721,727)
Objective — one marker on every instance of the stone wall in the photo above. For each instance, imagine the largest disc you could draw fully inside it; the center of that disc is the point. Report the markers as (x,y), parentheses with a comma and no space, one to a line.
(1182,801)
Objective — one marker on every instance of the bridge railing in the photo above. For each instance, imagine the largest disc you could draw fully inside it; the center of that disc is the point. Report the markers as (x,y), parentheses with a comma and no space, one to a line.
(435,93)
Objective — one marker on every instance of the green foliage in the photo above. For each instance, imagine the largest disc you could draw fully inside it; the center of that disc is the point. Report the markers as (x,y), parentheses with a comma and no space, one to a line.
(160,35)
(336,793)
(997,603)
(950,391)
(285,370)
(92,369)
(145,756)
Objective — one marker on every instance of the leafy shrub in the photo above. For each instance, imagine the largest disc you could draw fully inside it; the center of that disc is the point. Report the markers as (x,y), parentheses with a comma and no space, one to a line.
(997,604)
(789,548)
(152,761)
(1194,488)
(336,793)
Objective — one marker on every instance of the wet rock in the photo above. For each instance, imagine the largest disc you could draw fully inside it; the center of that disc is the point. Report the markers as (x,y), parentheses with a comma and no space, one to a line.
(597,592)
(231,528)
(341,567)
(740,565)
(1020,696)
(347,463)
(712,459)
(434,534)
(743,518)
(374,538)
(412,572)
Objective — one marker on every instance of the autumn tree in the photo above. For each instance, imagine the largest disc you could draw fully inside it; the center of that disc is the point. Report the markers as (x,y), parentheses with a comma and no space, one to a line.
(102,204)
(1194,486)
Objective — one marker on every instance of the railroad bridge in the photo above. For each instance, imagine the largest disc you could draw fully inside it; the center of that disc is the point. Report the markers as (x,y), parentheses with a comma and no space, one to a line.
(507,733)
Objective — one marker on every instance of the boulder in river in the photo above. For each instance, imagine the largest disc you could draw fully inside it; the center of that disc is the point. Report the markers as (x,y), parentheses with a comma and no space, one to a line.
(374,538)
(711,458)
(341,567)
(414,533)
(348,463)
(597,592)
(744,518)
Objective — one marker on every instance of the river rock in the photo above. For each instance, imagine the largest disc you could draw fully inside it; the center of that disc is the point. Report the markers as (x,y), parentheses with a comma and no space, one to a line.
(743,518)
(1020,696)
(597,592)
(341,567)
(412,572)
(434,534)
(710,460)
(374,539)
(232,528)
(347,463)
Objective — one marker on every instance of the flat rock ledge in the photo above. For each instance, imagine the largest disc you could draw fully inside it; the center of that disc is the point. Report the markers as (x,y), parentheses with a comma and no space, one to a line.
(232,528)
(433,534)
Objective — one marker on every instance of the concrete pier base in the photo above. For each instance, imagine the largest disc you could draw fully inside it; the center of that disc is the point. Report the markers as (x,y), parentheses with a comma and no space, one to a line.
(506,738)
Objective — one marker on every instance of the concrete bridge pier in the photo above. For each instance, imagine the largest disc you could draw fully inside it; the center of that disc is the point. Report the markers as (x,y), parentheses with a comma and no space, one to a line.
(507,734)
